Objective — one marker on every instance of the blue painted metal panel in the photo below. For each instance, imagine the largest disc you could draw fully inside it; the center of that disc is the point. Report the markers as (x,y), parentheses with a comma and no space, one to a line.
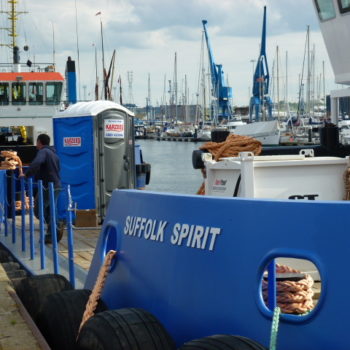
(74,143)
(72,90)
(206,279)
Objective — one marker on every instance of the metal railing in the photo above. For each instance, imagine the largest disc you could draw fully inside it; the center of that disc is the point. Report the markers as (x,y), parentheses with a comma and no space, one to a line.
(33,231)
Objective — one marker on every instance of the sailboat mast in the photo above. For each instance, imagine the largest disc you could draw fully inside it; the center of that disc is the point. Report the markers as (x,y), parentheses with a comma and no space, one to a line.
(103,59)
(278,83)
(96,78)
(324,87)
(286,91)
(175,85)
(308,90)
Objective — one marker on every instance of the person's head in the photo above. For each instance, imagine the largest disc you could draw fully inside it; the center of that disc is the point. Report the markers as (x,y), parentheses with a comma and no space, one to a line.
(42,140)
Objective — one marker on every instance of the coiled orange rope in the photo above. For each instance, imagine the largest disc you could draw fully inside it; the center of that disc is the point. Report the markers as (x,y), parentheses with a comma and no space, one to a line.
(293,297)
(12,160)
(231,147)
(97,290)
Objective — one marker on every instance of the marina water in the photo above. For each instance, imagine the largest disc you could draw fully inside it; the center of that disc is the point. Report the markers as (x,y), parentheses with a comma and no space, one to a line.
(171,166)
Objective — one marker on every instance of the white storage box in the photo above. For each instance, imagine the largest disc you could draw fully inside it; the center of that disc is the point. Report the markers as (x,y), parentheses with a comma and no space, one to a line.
(280,177)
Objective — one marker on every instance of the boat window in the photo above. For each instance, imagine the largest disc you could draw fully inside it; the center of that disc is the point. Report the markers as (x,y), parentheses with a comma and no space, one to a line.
(18,93)
(295,285)
(35,93)
(344,6)
(4,93)
(325,9)
(53,93)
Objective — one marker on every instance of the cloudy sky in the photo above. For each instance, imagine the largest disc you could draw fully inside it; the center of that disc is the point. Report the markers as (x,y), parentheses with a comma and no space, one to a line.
(147,33)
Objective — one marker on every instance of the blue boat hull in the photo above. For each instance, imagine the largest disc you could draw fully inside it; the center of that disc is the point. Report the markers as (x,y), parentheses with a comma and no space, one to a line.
(197,262)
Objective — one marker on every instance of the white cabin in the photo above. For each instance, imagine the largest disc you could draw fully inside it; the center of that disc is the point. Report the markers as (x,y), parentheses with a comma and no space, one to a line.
(334,19)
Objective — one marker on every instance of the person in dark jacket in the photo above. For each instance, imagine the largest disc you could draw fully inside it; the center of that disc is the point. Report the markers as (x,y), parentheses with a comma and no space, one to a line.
(46,167)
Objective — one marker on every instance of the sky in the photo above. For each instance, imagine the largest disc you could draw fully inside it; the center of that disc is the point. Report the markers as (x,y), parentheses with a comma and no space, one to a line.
(146,34)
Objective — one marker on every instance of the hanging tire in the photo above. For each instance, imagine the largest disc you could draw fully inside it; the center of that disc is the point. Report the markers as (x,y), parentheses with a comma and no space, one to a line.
(124,329)
(61,315)
(222,342)
(197,161)
(218,135)
(5,256)
(33,290)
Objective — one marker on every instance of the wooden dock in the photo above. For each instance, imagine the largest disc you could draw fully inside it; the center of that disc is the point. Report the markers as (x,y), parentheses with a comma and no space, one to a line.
(85,240)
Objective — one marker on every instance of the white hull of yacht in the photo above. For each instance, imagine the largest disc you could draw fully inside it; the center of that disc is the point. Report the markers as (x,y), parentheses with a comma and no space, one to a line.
(267,132)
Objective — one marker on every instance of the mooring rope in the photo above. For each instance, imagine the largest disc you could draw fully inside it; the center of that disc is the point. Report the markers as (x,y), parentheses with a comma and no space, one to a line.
(97,290)
(293,297)
(274,328)
(231,147)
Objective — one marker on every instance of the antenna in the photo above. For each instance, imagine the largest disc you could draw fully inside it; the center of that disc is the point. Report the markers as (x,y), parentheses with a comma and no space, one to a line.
(53,44)
(77,35)
(13,18)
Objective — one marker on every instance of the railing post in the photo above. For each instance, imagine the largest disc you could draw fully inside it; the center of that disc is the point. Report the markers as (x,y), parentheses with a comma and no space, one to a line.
(13,205)
(70,238)
(53,228)
(41,225)
(272,297)
(31,218)
(6,207)
(23,214)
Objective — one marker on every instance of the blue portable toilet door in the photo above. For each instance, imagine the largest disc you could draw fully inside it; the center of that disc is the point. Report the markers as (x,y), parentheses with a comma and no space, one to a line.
(115,155)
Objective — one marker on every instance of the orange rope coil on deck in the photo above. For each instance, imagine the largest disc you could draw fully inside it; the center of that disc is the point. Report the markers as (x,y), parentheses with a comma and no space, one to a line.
(231,147)
(11,161)
(97,290)
(293,297)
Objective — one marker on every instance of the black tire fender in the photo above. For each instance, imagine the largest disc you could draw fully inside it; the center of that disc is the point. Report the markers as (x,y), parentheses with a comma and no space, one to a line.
(223,342)
(218,135)
(124,329)
(61,315)
(197,161)
(34,290)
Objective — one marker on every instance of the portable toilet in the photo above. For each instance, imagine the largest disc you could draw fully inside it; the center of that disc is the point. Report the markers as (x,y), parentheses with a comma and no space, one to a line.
(95,143)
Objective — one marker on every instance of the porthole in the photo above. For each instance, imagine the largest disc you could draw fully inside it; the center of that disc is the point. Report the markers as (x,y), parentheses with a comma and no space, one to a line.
(110,241)
(292,284)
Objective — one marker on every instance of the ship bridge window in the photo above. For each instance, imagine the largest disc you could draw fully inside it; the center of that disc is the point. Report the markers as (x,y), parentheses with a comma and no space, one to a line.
(325,9)
(35,93)
(4,93)
(344,6)
(18,93)
(53,93)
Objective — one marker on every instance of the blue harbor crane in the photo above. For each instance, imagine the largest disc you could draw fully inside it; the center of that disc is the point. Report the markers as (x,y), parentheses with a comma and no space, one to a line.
(260,101)
(222,94)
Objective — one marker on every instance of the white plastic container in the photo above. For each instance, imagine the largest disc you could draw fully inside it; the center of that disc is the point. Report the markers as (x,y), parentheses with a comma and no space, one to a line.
(279,177)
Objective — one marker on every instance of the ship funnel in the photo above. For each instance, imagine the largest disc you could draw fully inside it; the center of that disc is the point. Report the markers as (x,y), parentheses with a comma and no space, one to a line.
(16,55)
(16,64)
(71,81)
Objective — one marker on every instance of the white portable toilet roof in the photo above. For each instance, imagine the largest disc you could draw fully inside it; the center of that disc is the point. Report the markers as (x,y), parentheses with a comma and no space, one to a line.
(93,108)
